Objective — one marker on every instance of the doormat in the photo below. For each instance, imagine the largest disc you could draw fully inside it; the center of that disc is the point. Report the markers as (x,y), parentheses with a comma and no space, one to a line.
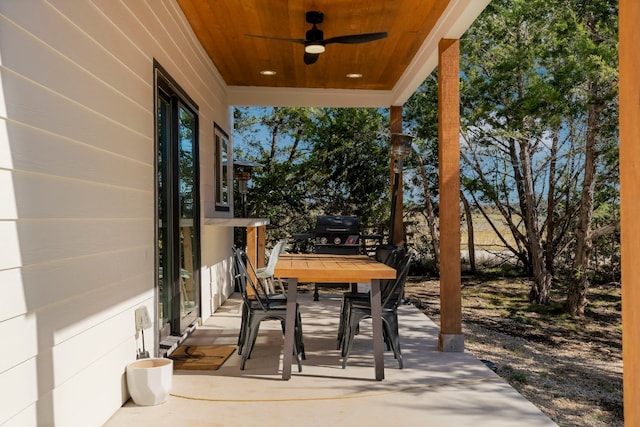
(201,357)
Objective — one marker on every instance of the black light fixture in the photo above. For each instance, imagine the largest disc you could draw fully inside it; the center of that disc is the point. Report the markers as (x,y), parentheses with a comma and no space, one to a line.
(242,171)
(401,149)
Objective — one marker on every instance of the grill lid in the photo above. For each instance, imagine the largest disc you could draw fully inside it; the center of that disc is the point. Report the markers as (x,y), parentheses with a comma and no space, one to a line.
(337,224)
(337,230)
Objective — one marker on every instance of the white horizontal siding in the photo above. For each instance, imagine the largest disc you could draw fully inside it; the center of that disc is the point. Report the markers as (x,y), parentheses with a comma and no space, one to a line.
(68,321)
(60,74)
(53,197)
(46,241)
(14,300)
(45,153)
(26,417)
(89,397)
(22,333)
(34,287)
(33,105)
(123,65)
(19,390)
(78,199)
(216,270)
(71,355)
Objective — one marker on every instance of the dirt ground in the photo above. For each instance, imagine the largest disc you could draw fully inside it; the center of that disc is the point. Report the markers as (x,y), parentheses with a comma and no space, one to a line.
(570,369)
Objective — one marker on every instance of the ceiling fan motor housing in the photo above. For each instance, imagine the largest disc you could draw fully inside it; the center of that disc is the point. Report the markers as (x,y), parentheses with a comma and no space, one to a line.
(314,35)
(314,17)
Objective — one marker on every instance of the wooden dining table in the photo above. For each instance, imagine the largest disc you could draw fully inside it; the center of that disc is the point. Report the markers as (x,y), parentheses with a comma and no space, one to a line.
(328,268)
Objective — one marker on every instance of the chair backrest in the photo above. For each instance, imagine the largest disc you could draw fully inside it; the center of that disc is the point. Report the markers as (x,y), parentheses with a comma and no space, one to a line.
(391,295)
(245,282)
(273,258)
(392,256)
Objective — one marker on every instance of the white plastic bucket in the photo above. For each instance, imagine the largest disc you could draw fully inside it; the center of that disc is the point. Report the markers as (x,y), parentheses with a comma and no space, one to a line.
(150,380)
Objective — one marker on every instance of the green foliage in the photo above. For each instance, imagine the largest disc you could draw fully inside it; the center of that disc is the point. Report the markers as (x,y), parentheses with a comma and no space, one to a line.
(420,116)
(531,70)
(347,171)
(315,162)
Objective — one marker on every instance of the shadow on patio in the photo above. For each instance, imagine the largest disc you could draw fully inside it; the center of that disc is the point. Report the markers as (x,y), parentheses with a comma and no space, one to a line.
(433,389)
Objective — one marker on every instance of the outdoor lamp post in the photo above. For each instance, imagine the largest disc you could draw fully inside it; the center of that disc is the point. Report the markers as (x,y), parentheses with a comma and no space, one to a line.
(400,149)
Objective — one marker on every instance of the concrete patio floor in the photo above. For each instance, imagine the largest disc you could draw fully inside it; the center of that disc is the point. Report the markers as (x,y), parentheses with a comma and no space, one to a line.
(434,388)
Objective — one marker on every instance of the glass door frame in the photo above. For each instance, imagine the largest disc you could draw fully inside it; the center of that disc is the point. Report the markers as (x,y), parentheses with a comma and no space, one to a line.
(167,90)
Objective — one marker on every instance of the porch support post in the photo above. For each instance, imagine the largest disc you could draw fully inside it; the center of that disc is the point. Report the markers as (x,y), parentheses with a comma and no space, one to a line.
(629,60)
(261,245)
(450,338)
(255,244)
(252,248)
(398,228)
(252,252)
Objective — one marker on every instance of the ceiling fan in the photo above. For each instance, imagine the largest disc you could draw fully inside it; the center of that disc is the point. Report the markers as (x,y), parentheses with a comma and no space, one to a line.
(314,42)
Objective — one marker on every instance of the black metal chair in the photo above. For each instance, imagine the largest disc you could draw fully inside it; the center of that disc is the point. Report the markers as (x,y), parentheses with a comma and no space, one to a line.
(258,306)
(390,255)
(359,309)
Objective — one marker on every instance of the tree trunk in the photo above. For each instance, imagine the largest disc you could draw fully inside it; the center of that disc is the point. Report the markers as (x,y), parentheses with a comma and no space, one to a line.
(541,287)
(470,238)
(549,244)
(576,302)
(430,214)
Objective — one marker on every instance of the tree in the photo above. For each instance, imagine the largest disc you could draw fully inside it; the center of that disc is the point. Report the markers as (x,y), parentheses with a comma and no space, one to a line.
(597,23)
(275,138)
(315,162)
(347,170)
(508,98)
(421,117)
(538,109)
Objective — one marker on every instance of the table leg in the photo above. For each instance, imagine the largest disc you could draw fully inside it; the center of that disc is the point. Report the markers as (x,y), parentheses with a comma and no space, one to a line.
(289,328)
(378,340)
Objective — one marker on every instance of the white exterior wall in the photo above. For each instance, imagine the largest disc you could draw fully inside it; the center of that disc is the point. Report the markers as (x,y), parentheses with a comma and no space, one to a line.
(77,197)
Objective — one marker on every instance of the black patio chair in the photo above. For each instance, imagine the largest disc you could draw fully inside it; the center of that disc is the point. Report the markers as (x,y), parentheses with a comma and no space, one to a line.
(358,310)
(258,306)
(390,255)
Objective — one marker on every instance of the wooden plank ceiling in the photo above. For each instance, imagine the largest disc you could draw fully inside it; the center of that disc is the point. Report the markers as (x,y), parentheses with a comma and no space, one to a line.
(222,27)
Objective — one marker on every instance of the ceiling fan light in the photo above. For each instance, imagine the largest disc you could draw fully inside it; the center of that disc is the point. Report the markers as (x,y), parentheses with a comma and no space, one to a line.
(314,48)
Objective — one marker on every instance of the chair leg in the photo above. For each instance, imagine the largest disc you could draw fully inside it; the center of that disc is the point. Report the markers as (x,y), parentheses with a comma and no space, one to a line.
(299,334)
(391,328)
(342,324)
(353,323)
(298,344)
(243,328)
(250,341)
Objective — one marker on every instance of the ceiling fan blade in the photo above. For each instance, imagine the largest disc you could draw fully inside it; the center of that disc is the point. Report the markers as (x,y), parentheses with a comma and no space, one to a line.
(311,58)
(357,38)
(299,41)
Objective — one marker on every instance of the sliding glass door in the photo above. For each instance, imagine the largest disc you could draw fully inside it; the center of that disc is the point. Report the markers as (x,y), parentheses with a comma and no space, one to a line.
(178,247)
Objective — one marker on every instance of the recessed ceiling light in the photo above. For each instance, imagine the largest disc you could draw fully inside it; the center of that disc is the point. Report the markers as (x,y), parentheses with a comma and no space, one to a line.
(354,75)
(268,73)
